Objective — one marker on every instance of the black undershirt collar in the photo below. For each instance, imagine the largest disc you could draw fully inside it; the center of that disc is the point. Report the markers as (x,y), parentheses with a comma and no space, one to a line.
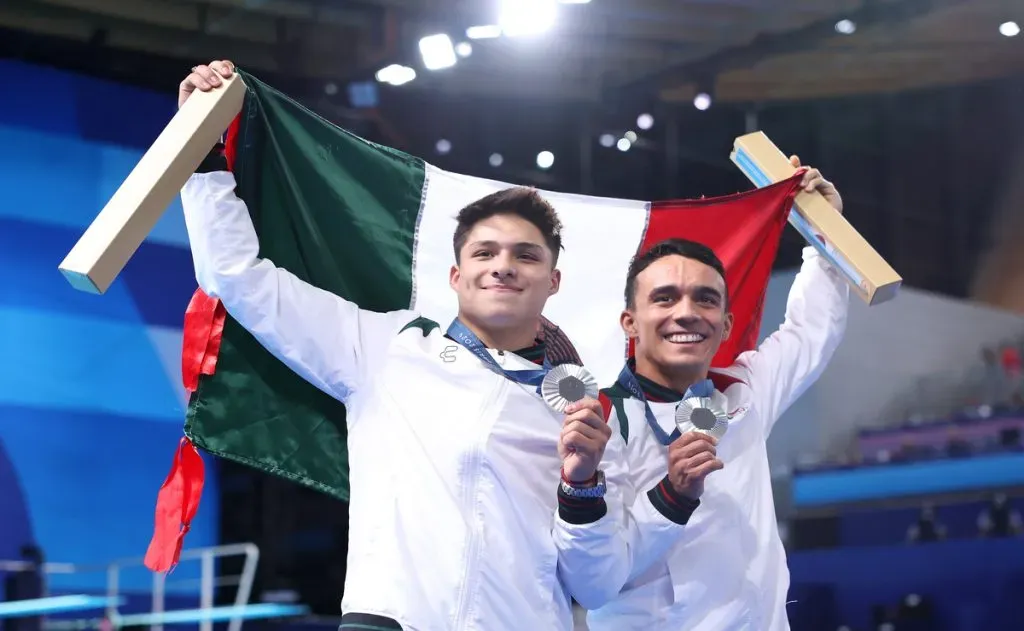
(657,393)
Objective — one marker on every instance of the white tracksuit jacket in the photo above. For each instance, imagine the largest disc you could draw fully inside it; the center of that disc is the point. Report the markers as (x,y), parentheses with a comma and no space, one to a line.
(728,570)
(454,469)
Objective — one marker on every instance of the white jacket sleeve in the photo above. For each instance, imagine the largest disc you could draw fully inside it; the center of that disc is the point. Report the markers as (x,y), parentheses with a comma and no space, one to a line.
(790,360)
(323,338)
(606,549)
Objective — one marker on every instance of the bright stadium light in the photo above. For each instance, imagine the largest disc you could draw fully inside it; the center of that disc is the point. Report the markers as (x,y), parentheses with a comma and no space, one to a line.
(437,51)
(545,159)
(527,17)
(645,121)
(1009,29)
(463,49)
(623,144)
(396,74)
(846,27)
(485,31)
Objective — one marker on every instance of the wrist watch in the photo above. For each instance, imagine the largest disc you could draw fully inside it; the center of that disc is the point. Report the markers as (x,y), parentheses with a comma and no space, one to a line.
(595,491)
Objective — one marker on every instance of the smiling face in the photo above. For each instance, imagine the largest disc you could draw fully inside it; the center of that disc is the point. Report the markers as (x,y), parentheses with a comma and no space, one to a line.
(678,319)
(505,274)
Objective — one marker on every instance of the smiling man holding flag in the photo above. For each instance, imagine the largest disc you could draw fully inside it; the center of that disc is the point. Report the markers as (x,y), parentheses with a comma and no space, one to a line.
(451,445)
(728,570)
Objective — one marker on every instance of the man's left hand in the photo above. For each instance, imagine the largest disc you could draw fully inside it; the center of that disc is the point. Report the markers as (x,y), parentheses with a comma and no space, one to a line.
(584,437)
(814,180)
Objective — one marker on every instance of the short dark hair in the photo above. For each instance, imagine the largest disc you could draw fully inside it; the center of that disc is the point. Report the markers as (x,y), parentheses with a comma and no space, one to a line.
(669,247)
(521,201)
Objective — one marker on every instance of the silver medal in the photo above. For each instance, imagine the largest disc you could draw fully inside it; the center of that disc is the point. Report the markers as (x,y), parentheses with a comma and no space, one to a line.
(702,414)
(565,384)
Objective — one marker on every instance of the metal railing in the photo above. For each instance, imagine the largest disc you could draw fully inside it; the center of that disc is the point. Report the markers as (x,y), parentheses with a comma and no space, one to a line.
(207,583)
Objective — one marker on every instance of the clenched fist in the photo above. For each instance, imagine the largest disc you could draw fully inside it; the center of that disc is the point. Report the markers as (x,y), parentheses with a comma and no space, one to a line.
(584,437)
(204,78)
(690,459)
(814,180)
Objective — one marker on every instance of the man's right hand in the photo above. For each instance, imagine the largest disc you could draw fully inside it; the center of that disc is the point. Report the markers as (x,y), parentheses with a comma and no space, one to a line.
(690,459)
(204,78)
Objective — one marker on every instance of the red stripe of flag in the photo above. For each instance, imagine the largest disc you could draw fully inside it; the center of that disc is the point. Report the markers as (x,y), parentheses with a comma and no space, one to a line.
(744,231)
(179,497)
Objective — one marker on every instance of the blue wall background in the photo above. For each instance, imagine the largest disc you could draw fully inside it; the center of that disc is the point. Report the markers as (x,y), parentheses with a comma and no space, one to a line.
(91,402)
(978,473)
(973,585)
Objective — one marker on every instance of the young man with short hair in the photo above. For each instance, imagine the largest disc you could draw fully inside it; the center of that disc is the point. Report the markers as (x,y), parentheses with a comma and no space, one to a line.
(458,519)
(728,570)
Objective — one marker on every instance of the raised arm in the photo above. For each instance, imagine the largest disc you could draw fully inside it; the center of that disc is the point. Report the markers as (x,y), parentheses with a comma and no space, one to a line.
(792,358)
(327,340)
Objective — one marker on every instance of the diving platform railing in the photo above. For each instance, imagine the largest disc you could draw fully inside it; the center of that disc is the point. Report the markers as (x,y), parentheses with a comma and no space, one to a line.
(110,605)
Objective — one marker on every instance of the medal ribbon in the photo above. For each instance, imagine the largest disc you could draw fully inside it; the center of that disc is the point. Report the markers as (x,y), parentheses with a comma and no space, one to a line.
(628,381)
(461,334)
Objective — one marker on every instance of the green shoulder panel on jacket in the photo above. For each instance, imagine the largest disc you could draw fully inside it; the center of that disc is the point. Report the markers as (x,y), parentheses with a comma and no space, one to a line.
(426,325)
(617,394)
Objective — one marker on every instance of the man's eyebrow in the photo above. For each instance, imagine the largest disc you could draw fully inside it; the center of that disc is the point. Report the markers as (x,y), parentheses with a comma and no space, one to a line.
(664,289)
(522,245)
(708,289)
(700,289)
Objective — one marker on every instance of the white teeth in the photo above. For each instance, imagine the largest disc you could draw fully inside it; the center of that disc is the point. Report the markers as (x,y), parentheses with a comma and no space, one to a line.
(685,338)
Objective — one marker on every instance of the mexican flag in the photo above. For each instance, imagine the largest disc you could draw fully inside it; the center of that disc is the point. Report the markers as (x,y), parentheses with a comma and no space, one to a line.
(374,225)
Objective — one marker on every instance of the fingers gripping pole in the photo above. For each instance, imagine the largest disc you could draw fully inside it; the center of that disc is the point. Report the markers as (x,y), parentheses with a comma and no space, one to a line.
(868,274)
(129,216)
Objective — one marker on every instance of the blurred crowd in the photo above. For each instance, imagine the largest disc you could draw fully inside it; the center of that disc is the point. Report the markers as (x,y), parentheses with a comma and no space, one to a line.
(975,409)
(1000,519)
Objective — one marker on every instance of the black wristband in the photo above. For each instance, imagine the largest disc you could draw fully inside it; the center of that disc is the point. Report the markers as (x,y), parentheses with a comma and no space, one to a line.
(580,510)
(673,506)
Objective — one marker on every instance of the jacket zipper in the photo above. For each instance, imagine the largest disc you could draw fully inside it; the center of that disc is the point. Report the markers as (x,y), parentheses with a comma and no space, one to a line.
(475,530)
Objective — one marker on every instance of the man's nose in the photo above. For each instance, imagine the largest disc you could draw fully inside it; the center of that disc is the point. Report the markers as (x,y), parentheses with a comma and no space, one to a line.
(685,310)
(503,267)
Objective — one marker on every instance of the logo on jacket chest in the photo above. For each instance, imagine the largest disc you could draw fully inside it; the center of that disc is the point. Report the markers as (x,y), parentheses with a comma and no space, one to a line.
(739,411)
(448,354)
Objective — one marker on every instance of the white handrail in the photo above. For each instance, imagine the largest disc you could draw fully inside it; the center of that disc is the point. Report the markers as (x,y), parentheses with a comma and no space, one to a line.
(207,581)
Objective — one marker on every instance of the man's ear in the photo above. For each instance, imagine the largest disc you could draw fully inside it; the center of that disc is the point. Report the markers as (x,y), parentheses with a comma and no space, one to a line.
(727,326)
(556,282)
(628,324)
(453,277)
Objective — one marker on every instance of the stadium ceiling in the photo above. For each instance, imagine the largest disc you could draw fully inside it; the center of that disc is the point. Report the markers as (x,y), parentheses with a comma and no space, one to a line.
(738,50)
